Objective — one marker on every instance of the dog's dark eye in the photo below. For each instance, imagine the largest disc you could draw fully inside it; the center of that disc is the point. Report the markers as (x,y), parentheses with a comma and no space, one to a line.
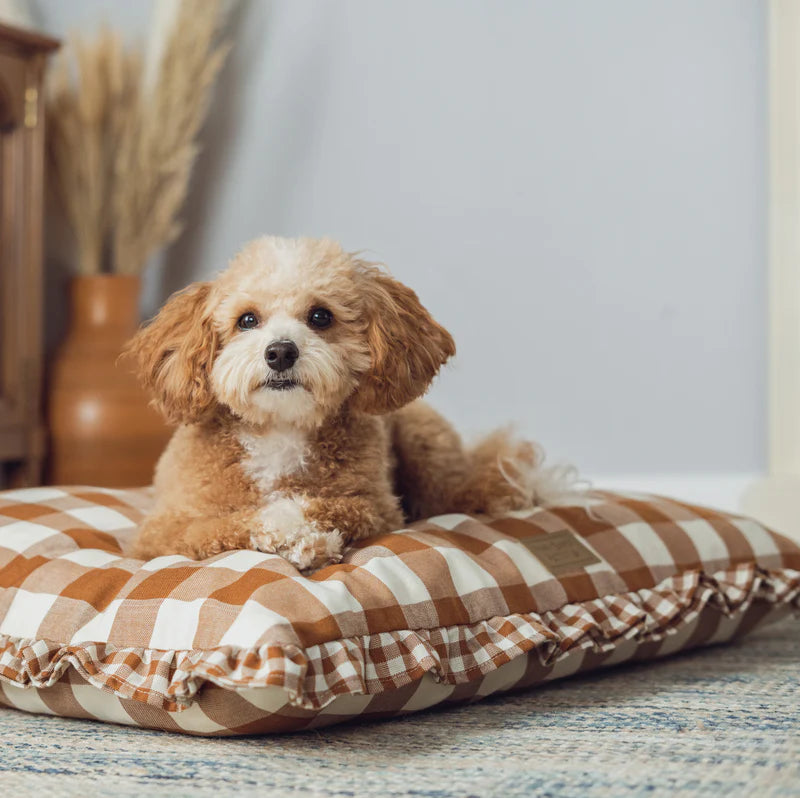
(247,321)
(320,318)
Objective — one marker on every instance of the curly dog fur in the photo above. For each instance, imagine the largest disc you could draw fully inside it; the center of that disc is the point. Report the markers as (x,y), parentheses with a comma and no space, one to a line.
(299,449)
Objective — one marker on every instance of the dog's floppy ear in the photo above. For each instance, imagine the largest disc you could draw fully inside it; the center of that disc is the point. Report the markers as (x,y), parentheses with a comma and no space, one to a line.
(174,354)
(407,347)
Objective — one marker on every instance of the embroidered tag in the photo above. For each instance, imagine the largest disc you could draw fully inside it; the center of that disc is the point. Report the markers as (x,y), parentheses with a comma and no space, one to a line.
(560,552)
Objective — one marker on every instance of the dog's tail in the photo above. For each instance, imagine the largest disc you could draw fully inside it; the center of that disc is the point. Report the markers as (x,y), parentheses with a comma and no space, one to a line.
(505,473)
(436,474)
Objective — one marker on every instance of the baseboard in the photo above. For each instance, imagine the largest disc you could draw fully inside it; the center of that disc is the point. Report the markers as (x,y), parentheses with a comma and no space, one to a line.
(775,500)
(720,490)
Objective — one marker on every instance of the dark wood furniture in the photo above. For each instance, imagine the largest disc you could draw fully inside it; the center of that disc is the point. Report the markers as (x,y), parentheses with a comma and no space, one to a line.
(22,440)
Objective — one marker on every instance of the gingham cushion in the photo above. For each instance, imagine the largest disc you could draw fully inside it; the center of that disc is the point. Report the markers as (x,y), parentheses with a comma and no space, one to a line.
(451,609)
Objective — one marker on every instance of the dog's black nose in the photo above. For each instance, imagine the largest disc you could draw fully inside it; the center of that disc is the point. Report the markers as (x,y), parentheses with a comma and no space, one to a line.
(281,355)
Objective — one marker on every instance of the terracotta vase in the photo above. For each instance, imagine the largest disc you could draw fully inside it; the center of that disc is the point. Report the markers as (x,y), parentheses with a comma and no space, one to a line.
(103,431)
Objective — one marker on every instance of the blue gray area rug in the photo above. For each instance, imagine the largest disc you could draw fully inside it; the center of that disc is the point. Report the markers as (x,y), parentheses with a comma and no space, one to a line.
(717,722)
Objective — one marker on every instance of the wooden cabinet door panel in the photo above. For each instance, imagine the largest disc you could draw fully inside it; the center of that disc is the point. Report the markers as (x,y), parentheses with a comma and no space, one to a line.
(22,61)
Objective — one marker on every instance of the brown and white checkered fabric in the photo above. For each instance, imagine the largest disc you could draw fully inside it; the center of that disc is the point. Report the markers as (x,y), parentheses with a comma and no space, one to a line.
(453,606)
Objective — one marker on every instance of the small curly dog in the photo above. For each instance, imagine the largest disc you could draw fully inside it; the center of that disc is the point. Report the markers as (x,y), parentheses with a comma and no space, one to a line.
(292,378)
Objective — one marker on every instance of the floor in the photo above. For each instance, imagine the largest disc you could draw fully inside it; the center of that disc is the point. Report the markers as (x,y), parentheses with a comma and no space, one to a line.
(718,722)
(716,489)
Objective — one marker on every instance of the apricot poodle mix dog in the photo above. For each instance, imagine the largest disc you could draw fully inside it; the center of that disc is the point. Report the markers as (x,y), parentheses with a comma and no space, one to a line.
(292,377)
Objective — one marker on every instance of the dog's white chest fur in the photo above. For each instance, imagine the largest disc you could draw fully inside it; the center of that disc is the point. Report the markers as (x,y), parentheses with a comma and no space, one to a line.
(269,457)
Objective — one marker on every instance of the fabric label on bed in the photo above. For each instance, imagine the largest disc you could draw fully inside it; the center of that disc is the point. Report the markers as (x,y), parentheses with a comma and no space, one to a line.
(560,552)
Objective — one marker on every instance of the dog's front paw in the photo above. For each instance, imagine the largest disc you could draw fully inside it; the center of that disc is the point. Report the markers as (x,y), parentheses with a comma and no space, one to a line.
(314,550)
(285,530)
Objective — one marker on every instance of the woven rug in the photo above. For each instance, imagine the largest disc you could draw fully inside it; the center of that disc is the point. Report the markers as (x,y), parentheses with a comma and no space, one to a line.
(719,721)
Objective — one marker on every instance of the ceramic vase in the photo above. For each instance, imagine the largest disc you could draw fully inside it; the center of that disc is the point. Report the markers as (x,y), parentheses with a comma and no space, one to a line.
(102,429)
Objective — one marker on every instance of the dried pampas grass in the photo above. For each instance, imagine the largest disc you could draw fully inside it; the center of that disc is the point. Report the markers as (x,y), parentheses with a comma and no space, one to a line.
(122,153)
(159,145)
(89,96)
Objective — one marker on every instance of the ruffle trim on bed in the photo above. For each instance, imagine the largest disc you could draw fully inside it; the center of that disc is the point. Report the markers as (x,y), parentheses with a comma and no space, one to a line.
(315,676)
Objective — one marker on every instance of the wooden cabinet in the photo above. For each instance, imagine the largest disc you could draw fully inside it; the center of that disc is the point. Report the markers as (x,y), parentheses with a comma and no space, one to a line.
(22,440)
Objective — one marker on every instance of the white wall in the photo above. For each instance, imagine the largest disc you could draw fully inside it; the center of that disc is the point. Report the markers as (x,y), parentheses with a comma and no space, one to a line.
(576,189)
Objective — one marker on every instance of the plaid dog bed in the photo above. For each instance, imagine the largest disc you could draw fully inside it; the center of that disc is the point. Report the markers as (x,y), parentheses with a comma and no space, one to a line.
(451,609)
